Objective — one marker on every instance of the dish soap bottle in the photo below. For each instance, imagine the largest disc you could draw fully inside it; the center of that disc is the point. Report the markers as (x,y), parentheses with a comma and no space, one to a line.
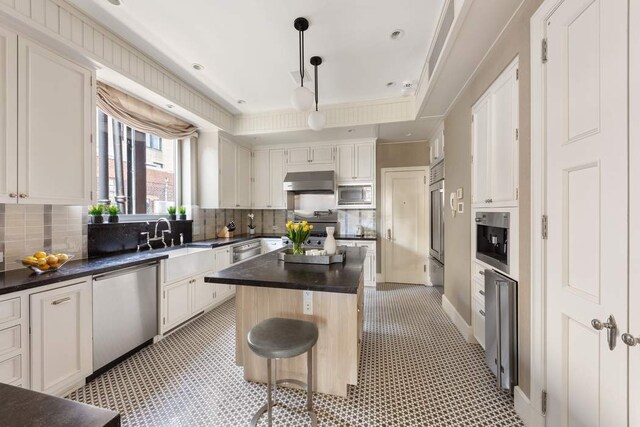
(330,241)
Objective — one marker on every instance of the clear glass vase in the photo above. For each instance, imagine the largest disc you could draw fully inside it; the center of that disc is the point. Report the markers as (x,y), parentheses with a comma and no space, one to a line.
(297,248)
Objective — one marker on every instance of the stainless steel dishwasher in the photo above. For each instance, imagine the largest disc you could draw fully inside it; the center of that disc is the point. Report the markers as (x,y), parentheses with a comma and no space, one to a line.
(125,312)
(246,251)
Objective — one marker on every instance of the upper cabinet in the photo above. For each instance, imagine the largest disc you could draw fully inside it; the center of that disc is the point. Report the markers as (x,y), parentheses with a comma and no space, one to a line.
(436,147)
(268,177)
(495,137)
(320,155)
(234,174)
(356,162)
(47,110)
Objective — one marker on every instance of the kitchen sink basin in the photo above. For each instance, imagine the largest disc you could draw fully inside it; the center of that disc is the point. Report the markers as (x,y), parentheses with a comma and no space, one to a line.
(187,262)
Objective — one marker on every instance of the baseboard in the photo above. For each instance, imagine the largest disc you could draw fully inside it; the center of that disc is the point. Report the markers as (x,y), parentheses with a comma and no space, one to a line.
(379,278)
(458,320)
(527,413)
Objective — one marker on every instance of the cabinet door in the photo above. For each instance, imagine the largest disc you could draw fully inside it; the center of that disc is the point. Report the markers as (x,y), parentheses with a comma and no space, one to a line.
(504,145)
(345,166)
(56,110)
(276,180)
(298,156)
(61,337)
(227,174)
(481,137)
(8,116)
(364,161)
(243,174)
(322,155)
(222,259)
(202,294)
(261,177)
(177,304)
(367,270)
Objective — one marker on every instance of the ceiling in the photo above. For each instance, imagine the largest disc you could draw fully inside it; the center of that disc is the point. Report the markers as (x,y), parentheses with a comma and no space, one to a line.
(249,48)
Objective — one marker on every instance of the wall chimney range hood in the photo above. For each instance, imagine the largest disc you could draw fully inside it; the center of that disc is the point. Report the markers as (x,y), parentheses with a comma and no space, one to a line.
(320,182)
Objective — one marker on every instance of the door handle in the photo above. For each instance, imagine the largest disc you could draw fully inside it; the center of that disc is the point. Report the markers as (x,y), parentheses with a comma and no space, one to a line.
(612,330)
(388,234)
(61,301)
(630,340)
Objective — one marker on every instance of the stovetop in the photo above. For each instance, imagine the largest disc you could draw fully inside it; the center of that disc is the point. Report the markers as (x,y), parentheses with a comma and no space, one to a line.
(316,240)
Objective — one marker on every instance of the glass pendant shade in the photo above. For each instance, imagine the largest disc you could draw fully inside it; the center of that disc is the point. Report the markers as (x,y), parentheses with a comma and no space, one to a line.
(317,120)
(302,98)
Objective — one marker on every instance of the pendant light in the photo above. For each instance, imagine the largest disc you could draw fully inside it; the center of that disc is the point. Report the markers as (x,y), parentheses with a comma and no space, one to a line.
(302,98)
(317,119)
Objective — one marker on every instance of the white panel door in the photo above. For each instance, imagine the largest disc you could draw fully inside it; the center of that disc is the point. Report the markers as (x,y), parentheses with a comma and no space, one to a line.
(299,156)
(227,174)
(480,139)
(322,155)
(404,219)
(202,294)
(261,179)
(503,172)
(56,110)
(345,168)
(177,302)
(243,177)
(364,161)
(276,180)
(587,204)
(8,116)
(61,343)
(222,258)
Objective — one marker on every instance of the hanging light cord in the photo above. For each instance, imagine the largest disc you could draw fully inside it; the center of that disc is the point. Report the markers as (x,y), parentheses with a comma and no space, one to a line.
(301,55)
(316,83)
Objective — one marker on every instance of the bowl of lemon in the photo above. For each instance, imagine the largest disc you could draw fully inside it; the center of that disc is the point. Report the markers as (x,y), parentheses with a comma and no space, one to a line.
(42,262)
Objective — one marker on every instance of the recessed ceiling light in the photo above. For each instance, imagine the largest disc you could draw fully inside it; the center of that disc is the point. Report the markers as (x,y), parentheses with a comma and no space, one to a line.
(350,130)
(115,2)
(241,101)
(408,134)
(390,84)
(195,66)
(397,34)
(170,106)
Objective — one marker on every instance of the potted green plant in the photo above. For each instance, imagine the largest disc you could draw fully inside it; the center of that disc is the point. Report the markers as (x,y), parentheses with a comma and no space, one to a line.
(113,212)
(171,210)
(183,213)
(298,233)
(252,227)
(95,214)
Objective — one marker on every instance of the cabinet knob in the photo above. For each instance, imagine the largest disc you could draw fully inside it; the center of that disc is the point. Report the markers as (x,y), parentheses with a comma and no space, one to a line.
(23,195)
(13,195)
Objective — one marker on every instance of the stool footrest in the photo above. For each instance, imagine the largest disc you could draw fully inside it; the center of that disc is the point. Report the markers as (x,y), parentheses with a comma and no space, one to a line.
(264,408)
(299,383)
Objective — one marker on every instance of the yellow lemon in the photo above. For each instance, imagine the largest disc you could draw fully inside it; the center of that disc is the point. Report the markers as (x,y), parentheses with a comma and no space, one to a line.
(52,259)
(40,255)
(43,267)
(54,266)
(62,257)
(30,259)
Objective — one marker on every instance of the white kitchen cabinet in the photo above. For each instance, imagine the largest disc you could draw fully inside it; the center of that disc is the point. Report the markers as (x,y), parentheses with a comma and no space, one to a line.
(177,304)
(61,337)
(495,142)
(270,245)
(370,267)
(222,258)
(356,162)
(47,151)
(203,294)
(227,166)
(14,338)
(322,154)
(243,177)
(436,146)
(268,176)
(477,320)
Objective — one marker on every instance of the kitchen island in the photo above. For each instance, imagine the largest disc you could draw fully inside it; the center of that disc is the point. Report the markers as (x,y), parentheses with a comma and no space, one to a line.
(267,287)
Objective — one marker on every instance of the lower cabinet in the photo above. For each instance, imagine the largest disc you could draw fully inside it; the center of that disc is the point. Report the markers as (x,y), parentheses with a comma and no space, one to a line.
(477,320)
(61,337)
(370,267)
(270,245)
(176,304)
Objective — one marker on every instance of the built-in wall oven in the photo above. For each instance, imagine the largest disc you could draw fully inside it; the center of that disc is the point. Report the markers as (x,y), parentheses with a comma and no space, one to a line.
(492,239)
(436,226)
(360,195)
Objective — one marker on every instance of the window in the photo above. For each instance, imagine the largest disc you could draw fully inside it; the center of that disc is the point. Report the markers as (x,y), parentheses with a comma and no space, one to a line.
(136,170)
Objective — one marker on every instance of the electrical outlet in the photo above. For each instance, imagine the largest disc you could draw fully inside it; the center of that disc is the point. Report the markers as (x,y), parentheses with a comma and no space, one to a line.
(307,302)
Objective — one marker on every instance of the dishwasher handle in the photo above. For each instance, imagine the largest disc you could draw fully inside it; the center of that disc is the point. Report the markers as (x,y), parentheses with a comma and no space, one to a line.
(123,271)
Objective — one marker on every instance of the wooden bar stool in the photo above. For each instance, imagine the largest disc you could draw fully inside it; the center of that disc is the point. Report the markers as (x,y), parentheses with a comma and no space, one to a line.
(279,338)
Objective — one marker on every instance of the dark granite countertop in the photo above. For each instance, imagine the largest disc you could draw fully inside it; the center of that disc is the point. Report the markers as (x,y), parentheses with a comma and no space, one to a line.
(267,271)
(220,241)
(21,279)
(21,407)
(354,237)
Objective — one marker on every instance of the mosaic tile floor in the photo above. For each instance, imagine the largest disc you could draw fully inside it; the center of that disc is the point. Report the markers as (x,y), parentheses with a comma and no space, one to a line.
(416,370)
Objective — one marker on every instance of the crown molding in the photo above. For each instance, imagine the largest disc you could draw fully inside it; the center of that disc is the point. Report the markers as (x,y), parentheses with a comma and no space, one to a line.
(338,115)
(60,21)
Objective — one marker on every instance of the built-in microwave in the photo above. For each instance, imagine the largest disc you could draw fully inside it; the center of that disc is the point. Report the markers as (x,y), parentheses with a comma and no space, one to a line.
(492,239)
(357,194)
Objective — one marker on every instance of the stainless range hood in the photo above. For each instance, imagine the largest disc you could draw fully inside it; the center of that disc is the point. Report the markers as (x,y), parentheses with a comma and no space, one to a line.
(320,182)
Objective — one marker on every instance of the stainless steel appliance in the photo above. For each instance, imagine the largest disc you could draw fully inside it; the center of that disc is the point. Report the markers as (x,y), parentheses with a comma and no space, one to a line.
(320,221)
(501,328)
(246,251)
(355,194)
(310,182)
(492,239)
(125,312)
(436,225)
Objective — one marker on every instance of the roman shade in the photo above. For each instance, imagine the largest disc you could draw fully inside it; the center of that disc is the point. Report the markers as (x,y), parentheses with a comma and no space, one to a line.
(141,116)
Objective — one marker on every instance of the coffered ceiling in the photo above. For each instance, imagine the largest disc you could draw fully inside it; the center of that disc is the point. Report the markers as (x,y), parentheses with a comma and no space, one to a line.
(249,47)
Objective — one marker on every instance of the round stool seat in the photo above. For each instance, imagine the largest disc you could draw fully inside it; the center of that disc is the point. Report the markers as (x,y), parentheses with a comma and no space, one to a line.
(279,338)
